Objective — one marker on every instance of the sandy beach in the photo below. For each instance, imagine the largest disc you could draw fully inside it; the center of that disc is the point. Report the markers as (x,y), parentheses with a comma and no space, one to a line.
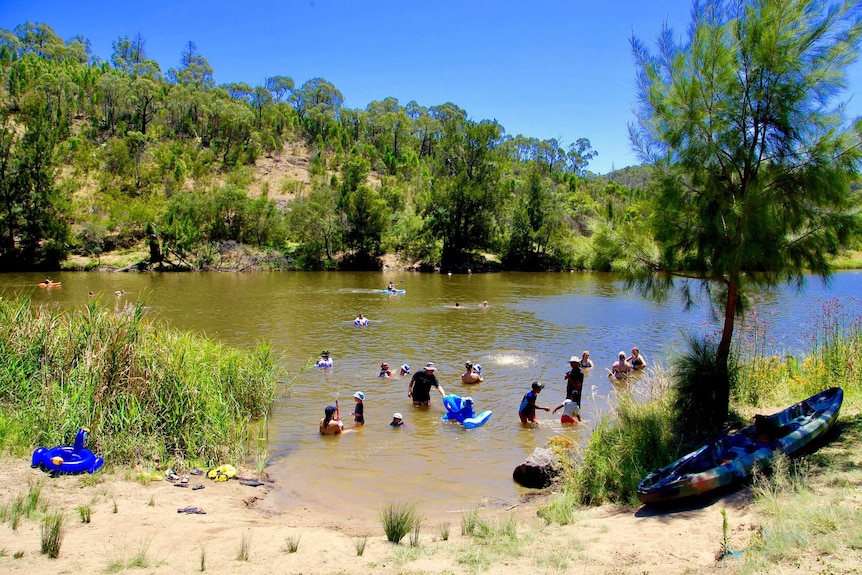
(137,526)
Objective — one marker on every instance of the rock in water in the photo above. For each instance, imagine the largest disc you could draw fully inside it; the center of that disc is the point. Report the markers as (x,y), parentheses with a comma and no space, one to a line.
(538,470)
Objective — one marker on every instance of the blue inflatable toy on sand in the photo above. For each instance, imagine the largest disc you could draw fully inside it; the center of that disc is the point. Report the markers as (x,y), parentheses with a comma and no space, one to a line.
(461,410)
(65,459)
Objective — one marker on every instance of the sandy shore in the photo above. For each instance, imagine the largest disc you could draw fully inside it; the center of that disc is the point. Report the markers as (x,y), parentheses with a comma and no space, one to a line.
(136,525)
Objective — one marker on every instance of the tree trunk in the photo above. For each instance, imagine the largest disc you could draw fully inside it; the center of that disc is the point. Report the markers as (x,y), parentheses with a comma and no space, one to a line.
(722,391)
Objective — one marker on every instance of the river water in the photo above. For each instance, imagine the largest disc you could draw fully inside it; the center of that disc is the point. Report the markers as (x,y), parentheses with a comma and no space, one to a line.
(532,325)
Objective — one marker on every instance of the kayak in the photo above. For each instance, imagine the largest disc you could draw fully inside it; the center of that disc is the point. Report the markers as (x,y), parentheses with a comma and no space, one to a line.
(394,291)
(733,456)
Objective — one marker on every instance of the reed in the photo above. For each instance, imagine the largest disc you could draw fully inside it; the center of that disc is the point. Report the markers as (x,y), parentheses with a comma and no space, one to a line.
(84,511)
(52,534)
(141,387)
(244,547)
(398,520)
(359,544)
(637,436)
(291,543)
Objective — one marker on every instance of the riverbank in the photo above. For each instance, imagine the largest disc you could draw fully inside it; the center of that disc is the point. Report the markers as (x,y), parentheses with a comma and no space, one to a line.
(135,524)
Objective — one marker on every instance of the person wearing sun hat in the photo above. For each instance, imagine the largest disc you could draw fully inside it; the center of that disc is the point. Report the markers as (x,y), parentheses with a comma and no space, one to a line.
(325,360)
(359,408)
(574,380)
(421,384)
(527,410)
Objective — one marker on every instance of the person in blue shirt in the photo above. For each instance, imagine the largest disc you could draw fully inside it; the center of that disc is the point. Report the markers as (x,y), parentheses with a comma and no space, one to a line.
(527,410)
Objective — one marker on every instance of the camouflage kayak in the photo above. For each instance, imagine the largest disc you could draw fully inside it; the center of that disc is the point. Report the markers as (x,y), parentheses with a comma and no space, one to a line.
(734,456)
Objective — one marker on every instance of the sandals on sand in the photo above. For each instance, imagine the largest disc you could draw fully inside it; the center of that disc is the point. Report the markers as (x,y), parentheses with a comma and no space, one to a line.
(192,510)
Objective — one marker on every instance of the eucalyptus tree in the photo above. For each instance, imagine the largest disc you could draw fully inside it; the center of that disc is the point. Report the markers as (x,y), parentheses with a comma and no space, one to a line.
(194,69)
(280,87)
(40,39)
(34,227)
(753,156)
(391,127)
(464,199)
(130,56)
(318,104)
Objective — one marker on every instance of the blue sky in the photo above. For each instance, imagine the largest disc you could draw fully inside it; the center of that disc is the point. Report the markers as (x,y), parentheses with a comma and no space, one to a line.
(542,68)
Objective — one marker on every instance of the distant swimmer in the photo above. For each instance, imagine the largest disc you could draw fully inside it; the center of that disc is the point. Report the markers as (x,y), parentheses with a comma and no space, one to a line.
(361,321)
(586,362)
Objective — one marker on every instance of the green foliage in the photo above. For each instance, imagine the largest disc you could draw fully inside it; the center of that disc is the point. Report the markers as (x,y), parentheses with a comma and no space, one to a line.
(754,159)
(140,388)
(434,179)
(698,374)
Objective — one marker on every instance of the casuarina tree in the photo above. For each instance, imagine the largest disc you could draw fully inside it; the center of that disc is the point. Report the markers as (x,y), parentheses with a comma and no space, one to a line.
(743,121)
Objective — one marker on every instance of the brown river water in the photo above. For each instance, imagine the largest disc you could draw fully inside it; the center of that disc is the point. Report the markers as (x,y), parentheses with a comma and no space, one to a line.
(532,325)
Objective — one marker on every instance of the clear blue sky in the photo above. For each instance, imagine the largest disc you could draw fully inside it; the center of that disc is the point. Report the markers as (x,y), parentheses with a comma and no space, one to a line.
(542,68)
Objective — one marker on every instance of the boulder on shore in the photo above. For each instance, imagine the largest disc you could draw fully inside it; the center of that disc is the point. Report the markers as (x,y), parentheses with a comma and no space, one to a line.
(539,469)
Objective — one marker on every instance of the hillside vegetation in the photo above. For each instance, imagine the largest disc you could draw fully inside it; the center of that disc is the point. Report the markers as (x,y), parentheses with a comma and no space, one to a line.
(103,157)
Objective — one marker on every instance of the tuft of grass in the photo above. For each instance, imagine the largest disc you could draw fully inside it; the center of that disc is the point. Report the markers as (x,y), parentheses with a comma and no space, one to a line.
(414,535)
(491,540)
(203,557)
(84,512)
(151,502)
(291,543)
(398,520)
(244,547)
(359,544)
(443,531)
(52,534)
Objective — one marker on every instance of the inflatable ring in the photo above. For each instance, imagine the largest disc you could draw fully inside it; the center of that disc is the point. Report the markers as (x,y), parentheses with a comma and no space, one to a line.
(222,472)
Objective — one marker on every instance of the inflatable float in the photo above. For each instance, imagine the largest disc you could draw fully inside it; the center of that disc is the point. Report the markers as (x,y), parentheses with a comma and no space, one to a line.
(50,284)
(461,410)
(68,460)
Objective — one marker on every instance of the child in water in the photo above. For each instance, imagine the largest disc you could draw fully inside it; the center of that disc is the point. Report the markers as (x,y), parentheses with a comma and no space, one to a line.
(397,420)
(359,408)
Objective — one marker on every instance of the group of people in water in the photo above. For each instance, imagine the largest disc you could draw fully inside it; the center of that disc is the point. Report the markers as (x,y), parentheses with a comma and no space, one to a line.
(421,383)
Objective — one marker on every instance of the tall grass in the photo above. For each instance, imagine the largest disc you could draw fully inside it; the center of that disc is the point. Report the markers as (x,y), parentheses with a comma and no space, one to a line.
(52,534)
(141,387)
(636,437)
(399,519)
(834,358)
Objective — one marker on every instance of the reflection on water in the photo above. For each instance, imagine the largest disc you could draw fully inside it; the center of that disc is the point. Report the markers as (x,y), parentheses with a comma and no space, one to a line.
(533,324)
